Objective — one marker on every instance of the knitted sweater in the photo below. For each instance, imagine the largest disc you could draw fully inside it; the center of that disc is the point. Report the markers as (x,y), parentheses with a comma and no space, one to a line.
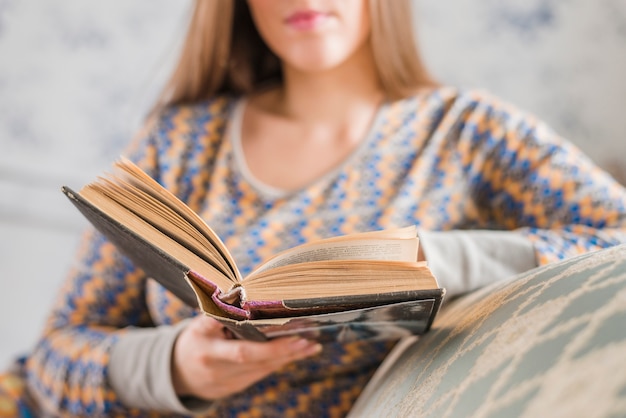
(445,160)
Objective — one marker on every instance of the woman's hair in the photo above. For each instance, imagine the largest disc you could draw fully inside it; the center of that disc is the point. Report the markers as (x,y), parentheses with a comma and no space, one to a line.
(224,53)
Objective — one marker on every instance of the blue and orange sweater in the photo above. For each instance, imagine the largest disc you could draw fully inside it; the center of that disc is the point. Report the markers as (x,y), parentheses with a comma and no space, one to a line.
(443,160)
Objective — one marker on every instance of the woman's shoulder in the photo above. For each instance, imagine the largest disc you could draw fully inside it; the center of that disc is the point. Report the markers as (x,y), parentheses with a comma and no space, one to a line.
(471,104)
(217,106)
(455,113)
(184,122)
(462,114)
(449,98)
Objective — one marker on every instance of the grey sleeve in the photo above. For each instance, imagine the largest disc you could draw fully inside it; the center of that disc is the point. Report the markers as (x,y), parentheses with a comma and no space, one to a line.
(466,260)
(140,371)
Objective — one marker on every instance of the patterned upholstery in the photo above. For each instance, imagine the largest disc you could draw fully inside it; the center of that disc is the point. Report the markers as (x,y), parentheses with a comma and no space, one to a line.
(551,342)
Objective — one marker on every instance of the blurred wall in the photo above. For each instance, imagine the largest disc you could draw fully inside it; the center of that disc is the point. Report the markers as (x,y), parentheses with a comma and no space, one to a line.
(563,60)
(76,79)
(77,76)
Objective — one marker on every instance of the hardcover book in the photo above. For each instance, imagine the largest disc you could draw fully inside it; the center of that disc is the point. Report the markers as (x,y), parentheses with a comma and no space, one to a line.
(361,286)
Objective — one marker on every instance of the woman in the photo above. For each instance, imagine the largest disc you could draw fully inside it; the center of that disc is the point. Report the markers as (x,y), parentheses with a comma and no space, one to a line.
(287,121)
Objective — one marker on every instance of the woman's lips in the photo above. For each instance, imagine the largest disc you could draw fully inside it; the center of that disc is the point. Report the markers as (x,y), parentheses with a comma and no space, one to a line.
(306,20)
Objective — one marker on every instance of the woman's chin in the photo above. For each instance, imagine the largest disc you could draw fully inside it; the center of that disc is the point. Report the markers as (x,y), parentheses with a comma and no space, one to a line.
(315,63)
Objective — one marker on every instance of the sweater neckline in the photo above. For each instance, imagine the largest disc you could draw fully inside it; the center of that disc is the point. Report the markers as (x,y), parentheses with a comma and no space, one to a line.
(234,135)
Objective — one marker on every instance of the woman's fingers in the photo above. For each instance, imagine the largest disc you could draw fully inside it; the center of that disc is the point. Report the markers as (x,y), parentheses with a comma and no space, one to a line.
(207,364)
(249,352)
(207,327)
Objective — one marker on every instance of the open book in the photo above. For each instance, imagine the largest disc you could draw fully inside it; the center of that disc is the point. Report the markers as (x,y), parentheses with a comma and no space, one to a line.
(364,285)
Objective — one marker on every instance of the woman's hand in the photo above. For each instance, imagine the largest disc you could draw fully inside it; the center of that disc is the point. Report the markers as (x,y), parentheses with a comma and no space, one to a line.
(207,365)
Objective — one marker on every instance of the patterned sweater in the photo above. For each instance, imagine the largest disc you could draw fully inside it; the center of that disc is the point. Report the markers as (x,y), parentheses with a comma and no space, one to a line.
(444,160)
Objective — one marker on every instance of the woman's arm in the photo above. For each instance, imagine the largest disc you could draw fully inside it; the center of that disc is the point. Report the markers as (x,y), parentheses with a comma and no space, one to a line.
(67,372)
(544,187)
(537,197)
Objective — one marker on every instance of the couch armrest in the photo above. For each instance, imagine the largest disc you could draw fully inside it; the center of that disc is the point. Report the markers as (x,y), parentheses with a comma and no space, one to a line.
(551,341)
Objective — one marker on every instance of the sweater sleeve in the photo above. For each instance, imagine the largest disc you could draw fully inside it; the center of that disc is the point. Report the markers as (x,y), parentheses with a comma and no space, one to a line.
(140,371)
(104,294)
(528,179)
(480,257)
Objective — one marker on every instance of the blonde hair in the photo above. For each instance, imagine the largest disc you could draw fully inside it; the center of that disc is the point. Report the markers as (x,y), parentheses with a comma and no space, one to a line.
(224,53)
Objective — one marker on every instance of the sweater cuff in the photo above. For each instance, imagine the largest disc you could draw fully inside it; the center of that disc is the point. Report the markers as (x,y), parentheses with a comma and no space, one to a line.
(140,371)
(463,261)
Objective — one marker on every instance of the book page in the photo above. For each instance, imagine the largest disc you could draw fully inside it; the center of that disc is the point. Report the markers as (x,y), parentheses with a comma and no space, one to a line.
(138,178)
(364,249)
(152,235)
(338,278)
(163,218)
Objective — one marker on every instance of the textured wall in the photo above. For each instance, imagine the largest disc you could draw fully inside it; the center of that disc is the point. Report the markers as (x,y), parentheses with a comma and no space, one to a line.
(76,77)
(563,60)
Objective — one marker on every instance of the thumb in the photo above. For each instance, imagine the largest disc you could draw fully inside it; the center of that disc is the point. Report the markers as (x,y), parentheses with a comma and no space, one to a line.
(207,327)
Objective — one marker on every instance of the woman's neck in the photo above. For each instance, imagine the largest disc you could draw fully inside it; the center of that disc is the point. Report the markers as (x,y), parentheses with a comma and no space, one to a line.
(294,135)
(329,96)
